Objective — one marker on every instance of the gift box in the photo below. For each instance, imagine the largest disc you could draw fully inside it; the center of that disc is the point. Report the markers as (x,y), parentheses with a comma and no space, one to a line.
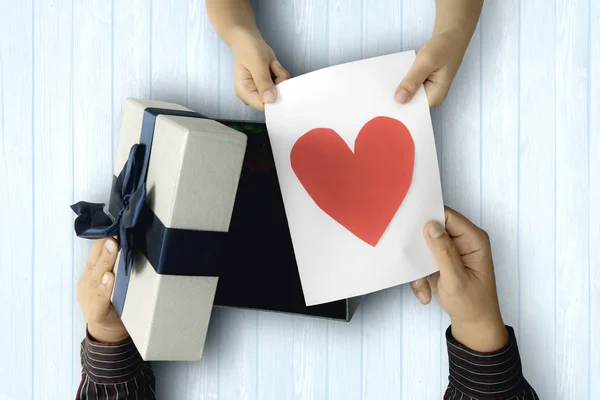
(259,270)
(176,177)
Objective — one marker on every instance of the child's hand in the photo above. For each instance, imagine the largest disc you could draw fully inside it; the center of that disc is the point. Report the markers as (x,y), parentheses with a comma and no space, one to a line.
(435,66)
(465,286)
(256,70)
(94,289)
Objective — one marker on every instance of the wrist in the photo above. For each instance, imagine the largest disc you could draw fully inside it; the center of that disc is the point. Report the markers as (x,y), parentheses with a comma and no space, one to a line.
(237,36)
(103,335)
(457,17)
(485,336)
(458,36)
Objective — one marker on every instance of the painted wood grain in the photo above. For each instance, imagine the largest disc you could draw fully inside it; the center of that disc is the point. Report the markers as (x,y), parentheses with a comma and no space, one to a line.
(202,61)
(275,356)
(54,280)
(500,146)
(310,358)
(421,329)
(381,312)
(344,340)
(344,358)
(131,57)
(237,353)
(594,218)
(16,200)
(537,171)
(461,150)
(519,148)
(572,200)
(438,133)
(92,129)
(168,50)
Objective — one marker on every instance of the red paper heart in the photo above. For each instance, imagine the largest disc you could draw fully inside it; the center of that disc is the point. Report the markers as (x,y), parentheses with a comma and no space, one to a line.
(363,190)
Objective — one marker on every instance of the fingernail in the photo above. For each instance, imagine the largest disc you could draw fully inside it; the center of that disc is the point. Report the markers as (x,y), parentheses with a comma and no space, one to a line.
(268,95)
(105,278)
(421,297)
(435,230)
(415,283)
(109,246)
(402,96)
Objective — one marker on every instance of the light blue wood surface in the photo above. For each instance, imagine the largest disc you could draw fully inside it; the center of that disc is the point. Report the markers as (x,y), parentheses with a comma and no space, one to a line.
(519,147)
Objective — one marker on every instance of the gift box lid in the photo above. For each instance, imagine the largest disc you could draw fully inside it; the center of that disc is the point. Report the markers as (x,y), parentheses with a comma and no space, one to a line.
(192,179)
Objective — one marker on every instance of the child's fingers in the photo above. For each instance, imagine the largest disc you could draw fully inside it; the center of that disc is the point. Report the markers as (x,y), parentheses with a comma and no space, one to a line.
(436,93)
(264,84)
(280,73)
(246,90)
(252,99)
(418,73)
(100,303)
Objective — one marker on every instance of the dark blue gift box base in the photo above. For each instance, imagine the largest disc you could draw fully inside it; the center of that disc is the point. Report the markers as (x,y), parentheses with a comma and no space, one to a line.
(258,269)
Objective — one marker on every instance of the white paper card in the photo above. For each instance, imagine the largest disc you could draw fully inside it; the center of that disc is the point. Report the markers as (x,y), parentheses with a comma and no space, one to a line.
(356,203)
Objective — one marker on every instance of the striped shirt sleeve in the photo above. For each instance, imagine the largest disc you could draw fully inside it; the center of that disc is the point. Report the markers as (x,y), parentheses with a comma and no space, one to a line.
(114,371)
(496,375)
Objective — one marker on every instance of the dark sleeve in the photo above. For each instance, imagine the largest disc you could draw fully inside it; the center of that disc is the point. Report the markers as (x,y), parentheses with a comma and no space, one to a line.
(114,371)
(496,375)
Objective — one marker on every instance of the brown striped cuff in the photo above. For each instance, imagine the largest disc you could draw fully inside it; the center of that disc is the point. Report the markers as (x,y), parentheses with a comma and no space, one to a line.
(112,363)
(496,375)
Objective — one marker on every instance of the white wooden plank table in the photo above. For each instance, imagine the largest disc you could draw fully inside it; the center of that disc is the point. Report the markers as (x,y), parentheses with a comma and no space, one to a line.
(519,147)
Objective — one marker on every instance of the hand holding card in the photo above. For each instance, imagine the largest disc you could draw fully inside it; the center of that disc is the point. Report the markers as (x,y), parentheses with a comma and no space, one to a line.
(359,179)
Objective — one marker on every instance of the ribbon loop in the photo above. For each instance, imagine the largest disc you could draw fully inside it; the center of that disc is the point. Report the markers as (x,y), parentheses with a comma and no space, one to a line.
(93,223)
(138,229)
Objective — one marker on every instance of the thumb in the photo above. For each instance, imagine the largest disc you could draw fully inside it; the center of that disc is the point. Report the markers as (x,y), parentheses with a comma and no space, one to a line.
(264,83)
(444,251)
(100,304)
(415,77)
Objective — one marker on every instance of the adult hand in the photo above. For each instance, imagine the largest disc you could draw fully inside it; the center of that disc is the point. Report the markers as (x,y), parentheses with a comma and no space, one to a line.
(435,67)
(465,286)
(256,70)
(94,290)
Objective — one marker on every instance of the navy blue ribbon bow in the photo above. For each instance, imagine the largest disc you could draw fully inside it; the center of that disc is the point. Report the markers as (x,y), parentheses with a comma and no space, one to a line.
(93,223)
(170,251)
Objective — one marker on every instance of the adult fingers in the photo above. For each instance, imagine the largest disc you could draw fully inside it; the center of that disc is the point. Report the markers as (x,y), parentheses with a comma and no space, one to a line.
(444,251)
(94,255)
(421,290)
(100,302)
(105,262)
(433,281)
(280,73)
(468,237)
